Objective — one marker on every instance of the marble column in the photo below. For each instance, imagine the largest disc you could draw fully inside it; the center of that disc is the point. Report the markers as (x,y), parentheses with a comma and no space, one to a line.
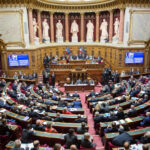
(82,26)
(52,26)
(31,34)
(121,27)
(39,25)
(66,27)
(110,25)
(97,26)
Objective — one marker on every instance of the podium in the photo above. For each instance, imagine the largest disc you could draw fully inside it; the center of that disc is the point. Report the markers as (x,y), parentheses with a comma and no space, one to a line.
(76,74)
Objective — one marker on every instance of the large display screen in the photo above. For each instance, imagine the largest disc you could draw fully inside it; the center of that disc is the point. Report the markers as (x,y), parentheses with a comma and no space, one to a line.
(134,58)
(18,60)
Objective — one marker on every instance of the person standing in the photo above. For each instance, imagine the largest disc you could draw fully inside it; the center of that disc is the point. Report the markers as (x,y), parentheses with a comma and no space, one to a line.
(53,79)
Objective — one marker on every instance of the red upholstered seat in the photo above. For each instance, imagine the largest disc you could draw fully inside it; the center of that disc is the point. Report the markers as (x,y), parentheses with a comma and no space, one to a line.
(111,146)
(83,148)
(3,140)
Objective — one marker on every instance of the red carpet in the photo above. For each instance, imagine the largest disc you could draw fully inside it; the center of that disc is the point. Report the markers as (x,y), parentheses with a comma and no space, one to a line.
(96,138)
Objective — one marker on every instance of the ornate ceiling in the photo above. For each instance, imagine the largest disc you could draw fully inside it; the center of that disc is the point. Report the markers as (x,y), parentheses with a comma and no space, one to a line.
(75,2)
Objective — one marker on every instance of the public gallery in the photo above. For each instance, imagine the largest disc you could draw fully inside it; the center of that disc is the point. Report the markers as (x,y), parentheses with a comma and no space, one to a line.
(74,74)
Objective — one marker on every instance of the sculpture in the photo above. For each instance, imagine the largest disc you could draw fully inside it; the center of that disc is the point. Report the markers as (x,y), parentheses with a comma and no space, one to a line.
(45,30)
(104,33)
(90,30)
(59,28)
(74,31)
(116,30)
(35,27)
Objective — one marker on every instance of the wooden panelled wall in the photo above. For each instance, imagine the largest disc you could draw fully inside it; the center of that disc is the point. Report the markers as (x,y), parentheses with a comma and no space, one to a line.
(112,55)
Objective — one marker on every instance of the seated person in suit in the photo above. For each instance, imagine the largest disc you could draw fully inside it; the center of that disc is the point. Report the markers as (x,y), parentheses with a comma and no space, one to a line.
(55,97)
(145,138)
(91,82)
(36,145)
(146,120)
(4,75)
(38,126)
(58,118)
(58,146)
(132,112)
(121,138)
(85,81)
(77,104)
(66,111)
(79,81)
(87,141)
(4,129)
(120,113)
(50,129)
(46,117)
(80,119)
(62,103)
(27,134)
(92,93)
(15,76)
(82,129)
(70,138)
(98,118)
(111,128)
(75,94)
(17,145)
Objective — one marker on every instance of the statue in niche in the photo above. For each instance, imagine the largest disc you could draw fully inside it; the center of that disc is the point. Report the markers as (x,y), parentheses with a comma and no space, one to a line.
(45,30)
(90,31)
(59,29)
(35,27)
(74,31)
(104,33)
(116,29)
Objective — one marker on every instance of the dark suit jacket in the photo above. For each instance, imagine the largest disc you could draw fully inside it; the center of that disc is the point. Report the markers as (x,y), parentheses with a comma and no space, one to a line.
(38,127)
(27,136)
(70,139)
(121,138)
(86,143)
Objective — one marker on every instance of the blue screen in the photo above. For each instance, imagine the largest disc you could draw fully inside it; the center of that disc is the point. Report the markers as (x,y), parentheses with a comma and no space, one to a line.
(18,60)
(134,58)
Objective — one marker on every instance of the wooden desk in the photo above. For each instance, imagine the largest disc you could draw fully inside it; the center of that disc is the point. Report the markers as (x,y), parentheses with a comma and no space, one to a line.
(62,71)
(79,87)
(75,62)
(20,80)
(134,75)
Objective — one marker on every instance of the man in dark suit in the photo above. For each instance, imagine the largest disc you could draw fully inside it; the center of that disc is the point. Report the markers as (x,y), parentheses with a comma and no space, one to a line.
(121,138)
(34,75)
(98,118)
(53,79)
(92,93)
(132,112)
(58,118)
(146,120)
(86,141)
(82,129)
(80,119)
(27,134)
(17,145)
(70,139)
(75,94)
(38,126)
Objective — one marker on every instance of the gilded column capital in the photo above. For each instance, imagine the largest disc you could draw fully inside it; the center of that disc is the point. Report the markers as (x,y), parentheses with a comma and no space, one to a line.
(122,8)
(111,11)
(82,13)
(66,13)
(39,10)
(97,13)
(30,9)
(51,12)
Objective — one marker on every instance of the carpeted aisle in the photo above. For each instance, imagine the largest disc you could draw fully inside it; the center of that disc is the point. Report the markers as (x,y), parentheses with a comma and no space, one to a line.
(96,138)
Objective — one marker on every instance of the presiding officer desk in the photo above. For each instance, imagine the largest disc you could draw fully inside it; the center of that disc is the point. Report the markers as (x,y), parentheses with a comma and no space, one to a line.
(63,69)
